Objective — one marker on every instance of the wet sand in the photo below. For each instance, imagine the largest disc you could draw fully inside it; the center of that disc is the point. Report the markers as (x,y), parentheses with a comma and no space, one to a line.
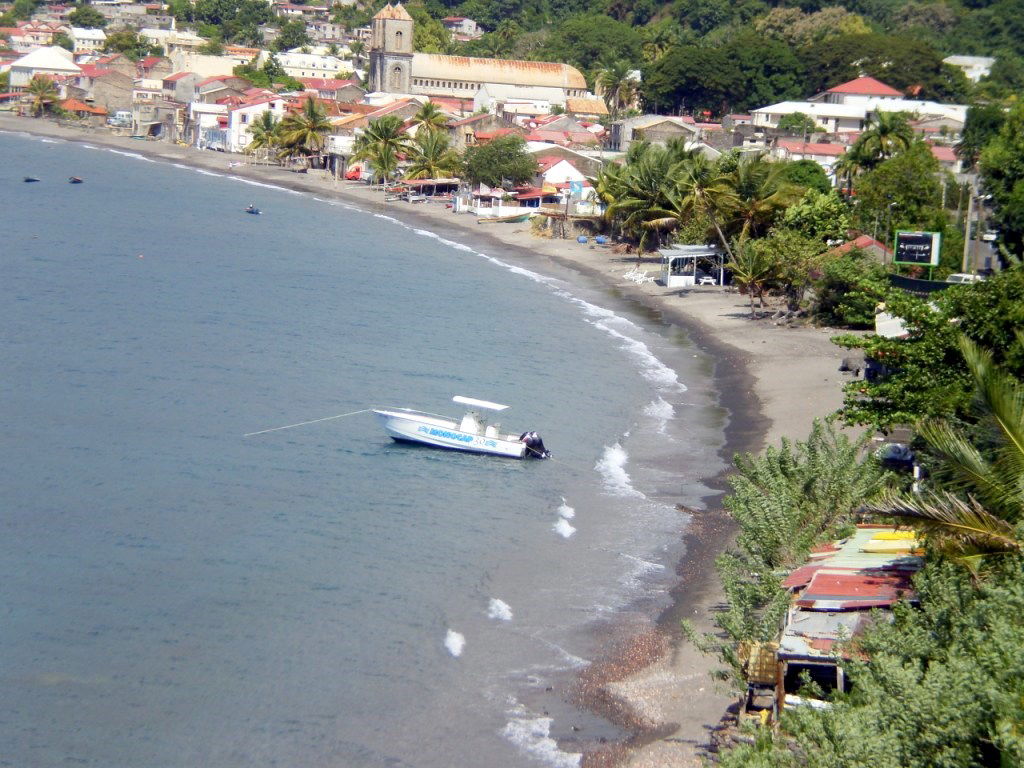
(773,380)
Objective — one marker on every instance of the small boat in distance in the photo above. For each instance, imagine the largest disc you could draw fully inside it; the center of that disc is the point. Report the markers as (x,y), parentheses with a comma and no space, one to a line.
(30,179)
(472,433)
(253,210)
(74,180)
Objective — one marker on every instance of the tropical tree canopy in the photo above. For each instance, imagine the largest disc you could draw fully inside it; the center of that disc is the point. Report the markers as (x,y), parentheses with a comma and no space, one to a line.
(303,132)
(381,144)
(431,157)
(43,94)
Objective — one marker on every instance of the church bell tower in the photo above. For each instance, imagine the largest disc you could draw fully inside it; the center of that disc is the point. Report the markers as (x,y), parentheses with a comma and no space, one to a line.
(391,50)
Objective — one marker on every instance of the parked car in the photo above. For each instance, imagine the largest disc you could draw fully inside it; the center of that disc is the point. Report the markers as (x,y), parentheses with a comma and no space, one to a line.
(961,278)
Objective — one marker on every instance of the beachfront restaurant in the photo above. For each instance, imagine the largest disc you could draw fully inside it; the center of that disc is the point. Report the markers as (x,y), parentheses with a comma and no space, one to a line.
(683,265)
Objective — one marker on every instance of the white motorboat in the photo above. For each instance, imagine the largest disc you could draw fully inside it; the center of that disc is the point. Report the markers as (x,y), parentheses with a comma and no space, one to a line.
(472,433)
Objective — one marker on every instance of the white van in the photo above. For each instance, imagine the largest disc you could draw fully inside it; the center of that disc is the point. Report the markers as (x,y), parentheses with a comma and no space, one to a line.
(960,278)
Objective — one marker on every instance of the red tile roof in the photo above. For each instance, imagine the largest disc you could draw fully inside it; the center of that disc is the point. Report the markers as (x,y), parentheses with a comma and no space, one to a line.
(467,120)
(864,241)
(176,77)
(208,80)
(150,61)
(944,154)
(74,105)
(549,161)
(798,146)
(488,135)
(865,86)
(94,71)
(324,83)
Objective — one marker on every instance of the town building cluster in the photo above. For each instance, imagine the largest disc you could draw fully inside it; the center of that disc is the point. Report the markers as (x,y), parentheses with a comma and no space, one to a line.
(190,95)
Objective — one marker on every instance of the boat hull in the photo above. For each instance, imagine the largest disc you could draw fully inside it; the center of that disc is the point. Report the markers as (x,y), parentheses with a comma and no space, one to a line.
(436,431)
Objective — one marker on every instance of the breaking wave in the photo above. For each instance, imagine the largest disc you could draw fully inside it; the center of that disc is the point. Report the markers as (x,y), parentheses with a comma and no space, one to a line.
(612,468)
(532,736)
(454,642)
(499,609)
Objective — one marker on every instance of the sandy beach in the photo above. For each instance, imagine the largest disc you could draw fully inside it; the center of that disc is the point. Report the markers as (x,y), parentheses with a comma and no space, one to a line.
(772,379)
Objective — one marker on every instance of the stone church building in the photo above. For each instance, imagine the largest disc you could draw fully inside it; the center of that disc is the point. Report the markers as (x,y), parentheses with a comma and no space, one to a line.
(396,68)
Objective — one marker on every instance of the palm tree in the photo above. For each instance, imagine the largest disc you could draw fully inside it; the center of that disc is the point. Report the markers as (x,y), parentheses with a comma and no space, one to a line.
(980,514)
(357,47)
(761,193)
(887,134)
(847,167)
(752,269)
(429,117)
(302,133)
(700,187)
(265,132)
(44,94)
(660,40)
(642,203)
(431,157)
(381,143)
(609,186)
(617,86)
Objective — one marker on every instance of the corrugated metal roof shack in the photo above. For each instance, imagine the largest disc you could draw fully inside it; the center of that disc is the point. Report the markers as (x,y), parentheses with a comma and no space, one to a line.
(834,595)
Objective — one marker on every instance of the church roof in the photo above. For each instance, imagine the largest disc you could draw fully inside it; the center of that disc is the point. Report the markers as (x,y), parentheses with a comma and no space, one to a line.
(395,11)
(504,71)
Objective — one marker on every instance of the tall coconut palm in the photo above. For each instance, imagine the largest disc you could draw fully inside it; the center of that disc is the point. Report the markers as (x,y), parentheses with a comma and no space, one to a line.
(43,93)
(303,133)
(761,193)
(265,130)
(432,157)
(430,117)
(700,187)
(609,186)
(381,143)
(850,163)
(887,134)
(642,204)
(617,86)
(980,510)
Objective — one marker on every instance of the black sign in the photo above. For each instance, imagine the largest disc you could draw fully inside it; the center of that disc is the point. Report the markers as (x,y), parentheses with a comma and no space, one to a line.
(917,248)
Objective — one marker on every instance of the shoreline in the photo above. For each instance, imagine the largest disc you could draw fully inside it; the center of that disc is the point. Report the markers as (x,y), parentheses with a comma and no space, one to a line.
(669,703)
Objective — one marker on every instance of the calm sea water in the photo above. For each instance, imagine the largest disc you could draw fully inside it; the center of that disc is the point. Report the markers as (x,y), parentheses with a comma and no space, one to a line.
(174,594)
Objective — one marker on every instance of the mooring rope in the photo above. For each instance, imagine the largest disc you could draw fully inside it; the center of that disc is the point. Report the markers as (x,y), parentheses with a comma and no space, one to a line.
(304,423)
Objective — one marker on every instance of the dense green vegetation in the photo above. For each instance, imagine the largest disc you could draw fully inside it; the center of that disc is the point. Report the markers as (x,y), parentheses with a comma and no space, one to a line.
(943,683)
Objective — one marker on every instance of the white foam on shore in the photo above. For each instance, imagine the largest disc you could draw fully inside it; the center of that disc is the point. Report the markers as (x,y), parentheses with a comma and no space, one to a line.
(253,183)
(566,511)
(563,528)
(532,736)
(133,155)
(499,610)
(651,368)
(662,411)
(611,467)
(454,642)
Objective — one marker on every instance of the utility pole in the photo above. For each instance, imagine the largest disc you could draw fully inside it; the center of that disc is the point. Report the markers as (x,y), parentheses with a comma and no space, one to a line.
(967,229)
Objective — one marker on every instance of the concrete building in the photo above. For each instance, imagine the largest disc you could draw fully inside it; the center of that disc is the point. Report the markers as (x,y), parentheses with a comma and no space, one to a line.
(974,67)
(242,116)
(88,39)
(52,60)
(299,65)
(172,40)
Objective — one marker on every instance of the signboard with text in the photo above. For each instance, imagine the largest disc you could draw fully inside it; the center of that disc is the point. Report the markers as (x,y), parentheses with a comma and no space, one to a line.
(919,248)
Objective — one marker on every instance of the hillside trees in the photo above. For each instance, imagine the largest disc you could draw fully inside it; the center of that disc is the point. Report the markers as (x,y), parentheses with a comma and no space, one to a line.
(87,16)
(1002,169)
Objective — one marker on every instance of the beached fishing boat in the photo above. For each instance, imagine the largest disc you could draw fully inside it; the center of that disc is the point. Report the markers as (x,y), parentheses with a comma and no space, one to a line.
(517,218)
(472,433)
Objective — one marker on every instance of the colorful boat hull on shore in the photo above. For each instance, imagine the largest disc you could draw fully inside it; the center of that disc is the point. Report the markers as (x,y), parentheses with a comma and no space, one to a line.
(516,219)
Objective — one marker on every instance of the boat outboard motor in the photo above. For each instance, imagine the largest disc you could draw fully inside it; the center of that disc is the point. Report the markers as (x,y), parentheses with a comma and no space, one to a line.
(534,445)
